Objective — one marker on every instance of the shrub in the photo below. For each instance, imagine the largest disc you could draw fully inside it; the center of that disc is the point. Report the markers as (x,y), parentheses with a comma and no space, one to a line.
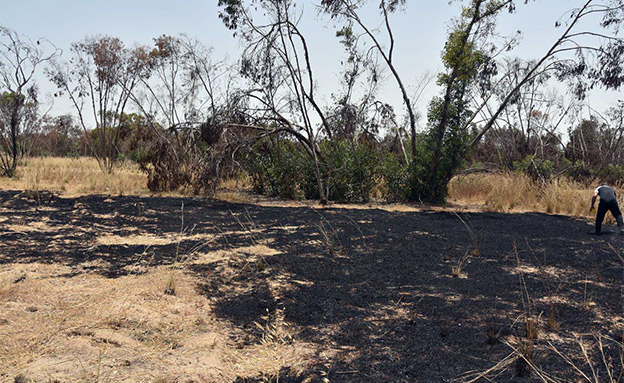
(277,168)
(396,180)
(352,171)
(611,174)
(280,168)
(182,160)
(535,167)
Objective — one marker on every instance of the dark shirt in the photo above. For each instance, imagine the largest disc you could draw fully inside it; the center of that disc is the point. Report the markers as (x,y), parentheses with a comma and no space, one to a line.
(606,193)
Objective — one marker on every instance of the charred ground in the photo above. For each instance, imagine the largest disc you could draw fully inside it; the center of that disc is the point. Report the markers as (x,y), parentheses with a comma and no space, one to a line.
(374,295)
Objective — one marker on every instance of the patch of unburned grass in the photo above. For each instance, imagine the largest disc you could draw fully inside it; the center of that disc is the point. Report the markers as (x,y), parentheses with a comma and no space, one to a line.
(76,176)
(515,192)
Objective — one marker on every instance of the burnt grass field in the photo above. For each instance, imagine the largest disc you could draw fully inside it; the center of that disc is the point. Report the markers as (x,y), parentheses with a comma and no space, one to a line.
(374,295)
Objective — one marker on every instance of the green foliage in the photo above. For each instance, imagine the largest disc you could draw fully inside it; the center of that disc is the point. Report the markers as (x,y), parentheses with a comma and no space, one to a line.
(396,177)
(352,170)
(99,138)
(279,168)
(59,137)
(447,142)
(134,136)
(535,167)
(429,184)
(611,174)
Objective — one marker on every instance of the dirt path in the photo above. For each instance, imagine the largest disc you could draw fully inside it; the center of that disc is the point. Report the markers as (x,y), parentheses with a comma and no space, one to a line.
(360,295)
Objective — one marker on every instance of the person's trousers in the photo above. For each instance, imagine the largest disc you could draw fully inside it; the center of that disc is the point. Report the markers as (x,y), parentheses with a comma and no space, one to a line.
(613,207)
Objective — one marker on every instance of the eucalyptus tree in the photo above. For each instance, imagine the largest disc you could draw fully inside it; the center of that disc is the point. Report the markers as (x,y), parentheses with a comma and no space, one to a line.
(20,59)
(355,109)
(597,143)
(99,80)
(185,85)
(584,56)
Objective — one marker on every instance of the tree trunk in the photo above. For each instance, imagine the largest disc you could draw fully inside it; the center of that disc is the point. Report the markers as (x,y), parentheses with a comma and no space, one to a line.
(17,105)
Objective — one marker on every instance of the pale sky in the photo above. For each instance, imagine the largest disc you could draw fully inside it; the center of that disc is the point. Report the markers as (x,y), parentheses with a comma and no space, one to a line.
(420,33)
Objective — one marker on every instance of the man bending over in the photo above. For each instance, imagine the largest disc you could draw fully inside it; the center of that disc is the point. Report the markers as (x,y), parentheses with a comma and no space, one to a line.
(608,201)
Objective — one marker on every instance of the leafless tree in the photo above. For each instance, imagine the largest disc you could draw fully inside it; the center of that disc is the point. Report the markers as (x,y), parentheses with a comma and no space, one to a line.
(281,95)
(348,11)
(20,58)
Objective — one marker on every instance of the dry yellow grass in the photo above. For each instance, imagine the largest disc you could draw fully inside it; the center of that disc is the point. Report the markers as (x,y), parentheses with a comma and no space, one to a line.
(76,176)
(88,328)
(513,192)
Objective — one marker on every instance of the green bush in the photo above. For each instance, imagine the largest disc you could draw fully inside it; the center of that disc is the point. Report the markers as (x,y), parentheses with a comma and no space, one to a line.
(277,168)
(396,179)
(351,171)
(280,168)
(611,174)
(535,167)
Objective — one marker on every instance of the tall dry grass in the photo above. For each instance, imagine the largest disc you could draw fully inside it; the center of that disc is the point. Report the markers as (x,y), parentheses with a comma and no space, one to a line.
(506,192)
(76,176)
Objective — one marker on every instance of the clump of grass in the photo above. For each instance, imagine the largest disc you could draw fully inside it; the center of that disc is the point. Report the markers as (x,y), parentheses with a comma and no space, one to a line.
(494,330)
(329,236)
(274,336)
(552,322)
(170,288)
(443,329)
(517,192)
(531,328)
(273,329)
(182,254)
(525,360)
(457,270)
(586,303)
(493,334)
